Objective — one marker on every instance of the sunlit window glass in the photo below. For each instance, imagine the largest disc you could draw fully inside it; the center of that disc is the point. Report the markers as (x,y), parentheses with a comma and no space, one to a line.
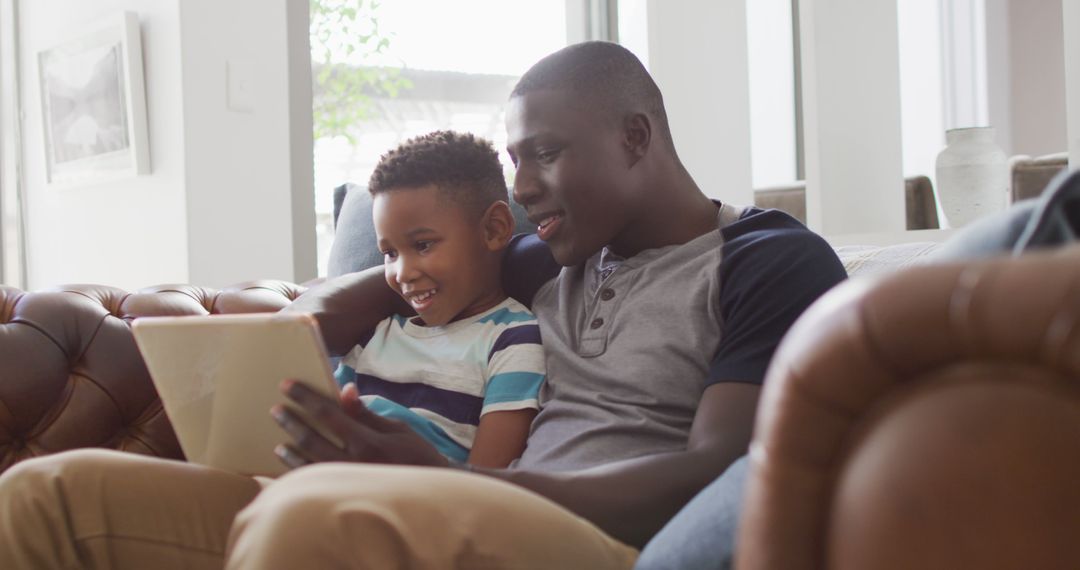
(385,72)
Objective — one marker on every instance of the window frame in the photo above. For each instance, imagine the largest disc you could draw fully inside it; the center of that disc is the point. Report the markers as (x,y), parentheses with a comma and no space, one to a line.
(12,204)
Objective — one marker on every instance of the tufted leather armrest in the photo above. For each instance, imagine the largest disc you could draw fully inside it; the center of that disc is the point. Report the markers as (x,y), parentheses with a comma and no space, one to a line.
(926,419)
(71,375)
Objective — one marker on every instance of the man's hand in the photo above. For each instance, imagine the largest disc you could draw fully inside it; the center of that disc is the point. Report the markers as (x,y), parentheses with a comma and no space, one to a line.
(633,498)
(366,437)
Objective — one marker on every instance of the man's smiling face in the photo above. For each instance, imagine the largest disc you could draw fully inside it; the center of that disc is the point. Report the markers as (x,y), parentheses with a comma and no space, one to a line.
(571,172)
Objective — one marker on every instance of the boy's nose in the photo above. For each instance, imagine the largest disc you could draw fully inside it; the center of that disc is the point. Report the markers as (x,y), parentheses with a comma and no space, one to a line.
(406,270)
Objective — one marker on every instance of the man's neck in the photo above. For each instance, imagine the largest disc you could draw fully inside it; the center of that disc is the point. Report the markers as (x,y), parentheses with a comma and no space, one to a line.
(674,211)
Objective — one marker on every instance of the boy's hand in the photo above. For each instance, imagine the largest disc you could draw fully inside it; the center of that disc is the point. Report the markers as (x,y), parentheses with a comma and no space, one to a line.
(366,437)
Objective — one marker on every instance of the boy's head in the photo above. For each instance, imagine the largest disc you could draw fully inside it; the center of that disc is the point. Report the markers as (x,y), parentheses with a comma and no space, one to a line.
(441,221)
(579,124)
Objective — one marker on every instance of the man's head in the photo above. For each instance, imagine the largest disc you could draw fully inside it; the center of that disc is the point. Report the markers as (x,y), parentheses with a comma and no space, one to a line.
(441,221)
(580,122)
(605,77)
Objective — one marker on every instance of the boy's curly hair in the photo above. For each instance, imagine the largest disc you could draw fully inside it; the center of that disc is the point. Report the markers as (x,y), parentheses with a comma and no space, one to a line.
(465,167)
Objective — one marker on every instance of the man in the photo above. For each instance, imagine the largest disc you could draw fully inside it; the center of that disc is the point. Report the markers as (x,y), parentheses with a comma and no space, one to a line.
(657,332)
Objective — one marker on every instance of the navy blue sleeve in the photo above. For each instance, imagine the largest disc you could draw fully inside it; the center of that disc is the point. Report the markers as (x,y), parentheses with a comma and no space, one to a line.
(768,276)
(527,265)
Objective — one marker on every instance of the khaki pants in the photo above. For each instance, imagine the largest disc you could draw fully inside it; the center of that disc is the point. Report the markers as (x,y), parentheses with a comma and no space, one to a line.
(106,509)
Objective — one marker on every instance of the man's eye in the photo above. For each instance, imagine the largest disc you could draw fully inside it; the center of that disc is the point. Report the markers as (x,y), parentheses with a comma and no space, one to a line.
(547,155)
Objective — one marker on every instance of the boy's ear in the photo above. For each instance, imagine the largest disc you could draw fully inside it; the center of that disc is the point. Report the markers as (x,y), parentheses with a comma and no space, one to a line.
(498,225)
(637,135)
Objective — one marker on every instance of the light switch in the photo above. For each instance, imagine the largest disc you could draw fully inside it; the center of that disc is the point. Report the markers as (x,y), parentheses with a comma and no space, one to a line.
(239,90)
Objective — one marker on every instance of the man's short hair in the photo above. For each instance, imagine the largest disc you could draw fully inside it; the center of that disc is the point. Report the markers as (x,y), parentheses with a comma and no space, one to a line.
(605,75)
(464,167)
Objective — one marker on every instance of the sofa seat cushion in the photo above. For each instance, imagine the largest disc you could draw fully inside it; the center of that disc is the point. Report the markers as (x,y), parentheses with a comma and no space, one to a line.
(870,259)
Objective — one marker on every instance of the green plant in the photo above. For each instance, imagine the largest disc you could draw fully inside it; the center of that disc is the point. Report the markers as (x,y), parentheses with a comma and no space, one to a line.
(345,35)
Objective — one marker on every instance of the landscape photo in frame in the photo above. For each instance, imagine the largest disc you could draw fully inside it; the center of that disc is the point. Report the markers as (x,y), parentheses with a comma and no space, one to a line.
(93,105)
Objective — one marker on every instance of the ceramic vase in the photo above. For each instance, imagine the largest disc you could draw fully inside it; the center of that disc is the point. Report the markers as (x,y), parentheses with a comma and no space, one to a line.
(972,176)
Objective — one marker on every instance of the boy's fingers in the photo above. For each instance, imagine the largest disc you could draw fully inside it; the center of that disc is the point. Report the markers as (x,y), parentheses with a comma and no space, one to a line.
(350,399)
(374,421)
(350,392)
(330,413)
(355,408)
(307,398)
(352,423)
(290,456)
(307,442)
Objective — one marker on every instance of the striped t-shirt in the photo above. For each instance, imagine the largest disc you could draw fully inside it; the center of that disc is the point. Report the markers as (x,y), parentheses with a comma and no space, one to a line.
(441,380)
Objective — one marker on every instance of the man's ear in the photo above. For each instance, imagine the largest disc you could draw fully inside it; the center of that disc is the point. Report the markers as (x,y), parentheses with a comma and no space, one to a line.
(498,225)
(637,135)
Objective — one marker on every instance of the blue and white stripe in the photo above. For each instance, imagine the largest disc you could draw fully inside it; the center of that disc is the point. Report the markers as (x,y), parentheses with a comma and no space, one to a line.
(442,380)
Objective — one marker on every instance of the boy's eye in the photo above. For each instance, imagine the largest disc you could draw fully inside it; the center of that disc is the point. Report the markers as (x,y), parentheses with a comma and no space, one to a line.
(424,245)
(389,254)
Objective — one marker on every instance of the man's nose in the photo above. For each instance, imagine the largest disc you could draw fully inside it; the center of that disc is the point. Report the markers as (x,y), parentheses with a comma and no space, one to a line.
(527,188)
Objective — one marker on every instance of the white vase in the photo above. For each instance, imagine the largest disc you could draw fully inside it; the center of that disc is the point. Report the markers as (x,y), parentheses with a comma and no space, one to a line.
(972,176)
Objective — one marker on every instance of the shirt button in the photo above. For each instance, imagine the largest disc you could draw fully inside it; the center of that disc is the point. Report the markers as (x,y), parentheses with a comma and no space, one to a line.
(597,323)
(607,294)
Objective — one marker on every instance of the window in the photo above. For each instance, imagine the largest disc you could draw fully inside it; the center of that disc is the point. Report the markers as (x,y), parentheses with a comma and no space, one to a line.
(441,65)
(12,259)
(773,70)
(921,93)
(771,54)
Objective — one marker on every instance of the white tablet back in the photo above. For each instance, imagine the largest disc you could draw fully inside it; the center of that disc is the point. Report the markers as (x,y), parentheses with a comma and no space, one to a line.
(218,377)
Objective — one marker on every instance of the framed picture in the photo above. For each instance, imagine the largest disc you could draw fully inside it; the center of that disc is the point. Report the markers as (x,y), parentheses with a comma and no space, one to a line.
(94,106)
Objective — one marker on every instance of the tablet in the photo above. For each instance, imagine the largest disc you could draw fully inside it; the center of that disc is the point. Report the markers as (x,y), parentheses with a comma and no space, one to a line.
(218,376)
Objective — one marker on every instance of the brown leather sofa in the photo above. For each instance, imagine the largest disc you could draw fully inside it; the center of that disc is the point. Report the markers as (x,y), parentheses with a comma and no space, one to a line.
(71,376)
(927,419)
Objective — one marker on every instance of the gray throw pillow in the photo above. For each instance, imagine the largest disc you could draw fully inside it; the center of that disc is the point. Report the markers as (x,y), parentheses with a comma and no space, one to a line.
(354,248)
(1052,219)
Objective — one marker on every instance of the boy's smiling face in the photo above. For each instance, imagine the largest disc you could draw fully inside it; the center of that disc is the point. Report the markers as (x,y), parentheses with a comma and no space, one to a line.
(572,173)
(436,255)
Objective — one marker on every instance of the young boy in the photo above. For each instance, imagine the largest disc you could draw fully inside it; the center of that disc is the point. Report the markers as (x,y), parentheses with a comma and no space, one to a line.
(464,373)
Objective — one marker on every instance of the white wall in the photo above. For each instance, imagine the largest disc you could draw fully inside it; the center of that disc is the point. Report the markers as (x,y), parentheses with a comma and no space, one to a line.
(130,232)
(770,45)
(248,157)
(12,270)
(1037,68)
(851,104)
(229,197)
(1072,77)
(999,72)
(964,63)
(921,113)
(696,52)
